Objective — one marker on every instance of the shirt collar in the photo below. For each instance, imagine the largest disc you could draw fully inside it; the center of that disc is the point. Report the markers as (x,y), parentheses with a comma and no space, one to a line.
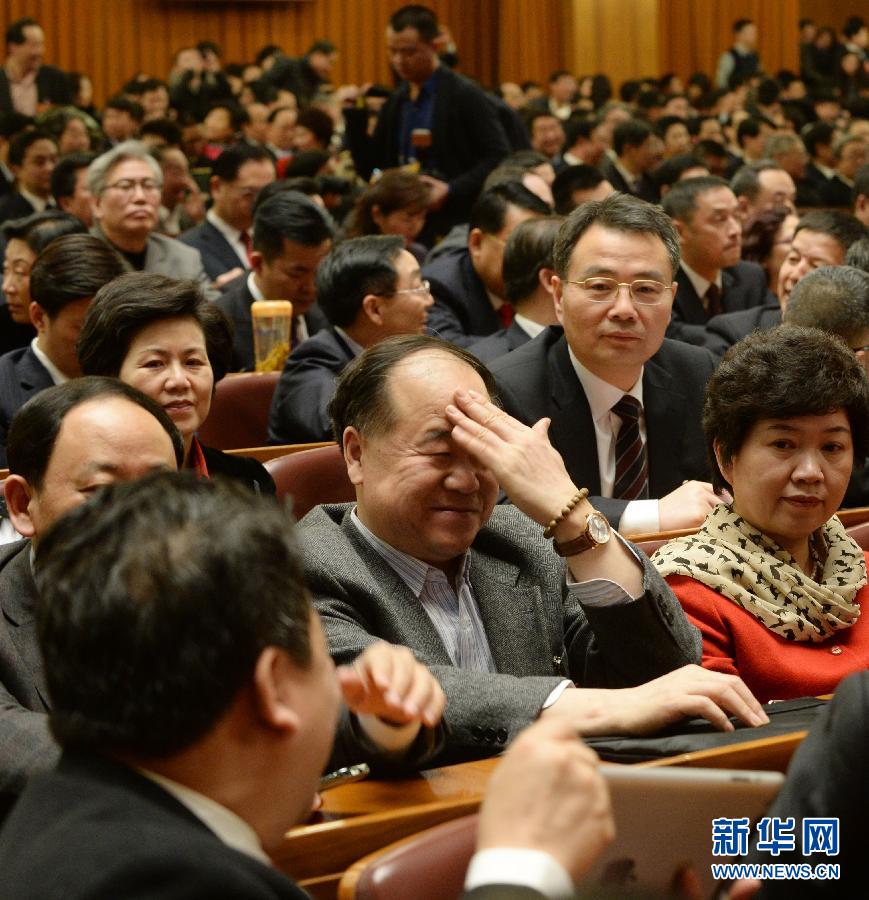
(700,284)
(529,326)
(39,204)
(355,347)
(227,230)
(253,287)
(230,828)
(56,375)
(412,571)
(601,395)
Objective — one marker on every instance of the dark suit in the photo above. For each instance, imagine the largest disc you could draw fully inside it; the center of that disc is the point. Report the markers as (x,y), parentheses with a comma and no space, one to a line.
(467,141)
(537,634)
(462,311)
(647,190)
(723,331)
(15,206)
(95,828)
(299,413)
(21,376)
(827,777)
(836,193)
(246,469)
(235,302)
(52,86)
(25,743)
(218,257)
(13,335)
(742,286)
(539,380)
(500,342)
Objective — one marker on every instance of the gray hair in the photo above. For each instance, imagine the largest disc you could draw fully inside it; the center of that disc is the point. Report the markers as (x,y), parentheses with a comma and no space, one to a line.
(619,212)
(99,169)
(781,143)
(832,298)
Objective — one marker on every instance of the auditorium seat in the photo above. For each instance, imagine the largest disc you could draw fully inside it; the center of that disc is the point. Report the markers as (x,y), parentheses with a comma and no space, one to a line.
(312,477)
(860,533)
(426,866)
(239,414)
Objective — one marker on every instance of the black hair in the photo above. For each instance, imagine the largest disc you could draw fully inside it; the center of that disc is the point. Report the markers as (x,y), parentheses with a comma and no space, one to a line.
(21,142)
(632,133)
(574,178)
(681,200)
(64,176)
(415,16)
(227,164)
(527,251)
(489,212)
(288,216)
(39,229)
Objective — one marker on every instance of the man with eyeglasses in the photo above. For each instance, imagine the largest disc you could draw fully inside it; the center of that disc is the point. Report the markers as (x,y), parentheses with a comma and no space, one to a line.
(125,184)
(625,404)
(369,289)
(225,238)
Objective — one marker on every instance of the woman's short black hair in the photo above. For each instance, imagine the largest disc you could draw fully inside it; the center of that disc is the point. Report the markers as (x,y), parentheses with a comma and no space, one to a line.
(787,372)
(125,306)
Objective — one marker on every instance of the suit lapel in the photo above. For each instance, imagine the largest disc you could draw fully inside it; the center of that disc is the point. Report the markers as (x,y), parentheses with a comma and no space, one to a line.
(664,426)
(396,599)
(572,426)
(31,373)
(512,614)
(688,305)
(17,602)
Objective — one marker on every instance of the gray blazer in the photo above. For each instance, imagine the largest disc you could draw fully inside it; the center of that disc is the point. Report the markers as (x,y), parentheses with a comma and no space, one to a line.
(25,743)
(168,256)
(538,636)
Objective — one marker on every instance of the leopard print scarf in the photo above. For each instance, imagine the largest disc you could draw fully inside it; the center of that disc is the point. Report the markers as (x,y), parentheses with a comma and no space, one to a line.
(740,563)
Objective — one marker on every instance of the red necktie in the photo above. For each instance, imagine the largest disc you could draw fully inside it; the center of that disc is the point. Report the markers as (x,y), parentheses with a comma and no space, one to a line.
(505,312)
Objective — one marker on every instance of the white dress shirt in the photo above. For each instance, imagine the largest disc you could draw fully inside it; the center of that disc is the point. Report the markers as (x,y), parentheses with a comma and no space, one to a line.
(300,326)
(530,327)
(639,515)
(699,283)
(56,375)
(232,235)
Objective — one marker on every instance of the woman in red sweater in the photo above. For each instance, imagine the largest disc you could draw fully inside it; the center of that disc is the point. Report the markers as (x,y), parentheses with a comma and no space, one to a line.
(773,581)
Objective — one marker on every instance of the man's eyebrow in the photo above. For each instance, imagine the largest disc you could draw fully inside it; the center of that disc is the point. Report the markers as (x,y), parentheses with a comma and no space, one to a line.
(436,434)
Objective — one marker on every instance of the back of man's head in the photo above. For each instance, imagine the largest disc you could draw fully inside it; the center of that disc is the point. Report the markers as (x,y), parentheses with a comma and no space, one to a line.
(818,134)
(289,216)
(746,180)
(72,267)
(527,252)
(153,613)
(65,174)
(39,229)
(619,212)
(574,180)
(858,255)
(489,212)
(362,397)
(834,299)
(354,269)
(35,427)
(681,200)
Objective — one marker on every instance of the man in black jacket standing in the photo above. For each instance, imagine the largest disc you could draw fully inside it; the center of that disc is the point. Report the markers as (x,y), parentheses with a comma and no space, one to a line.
(25,83)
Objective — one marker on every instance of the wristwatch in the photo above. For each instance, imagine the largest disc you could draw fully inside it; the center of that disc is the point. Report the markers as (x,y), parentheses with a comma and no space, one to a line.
(597,532)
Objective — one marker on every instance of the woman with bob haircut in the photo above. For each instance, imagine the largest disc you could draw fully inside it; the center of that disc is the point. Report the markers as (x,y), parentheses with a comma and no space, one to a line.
(162,336)
(772,580)
(396,204)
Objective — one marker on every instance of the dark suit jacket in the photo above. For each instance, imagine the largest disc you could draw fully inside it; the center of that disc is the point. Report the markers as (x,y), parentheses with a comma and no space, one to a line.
(15,206)
(723,331)
(13,335)
(95,828)
(462,311)
(537,634)
(235,302)
(52,86)
(299,413)
(742,286)
(467,140)
(242,468)
(836,193)
(648,189)
(827,777)
(25,743)
(218,257)
(500,342)
(21,376)
(539,380)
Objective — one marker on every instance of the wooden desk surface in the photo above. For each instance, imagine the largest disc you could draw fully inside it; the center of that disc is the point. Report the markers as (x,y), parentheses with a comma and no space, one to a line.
(359,818)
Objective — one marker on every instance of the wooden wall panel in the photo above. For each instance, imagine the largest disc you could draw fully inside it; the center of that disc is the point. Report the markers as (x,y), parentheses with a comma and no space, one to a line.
(531,39)
(616,37)
(694,33)
(831,12)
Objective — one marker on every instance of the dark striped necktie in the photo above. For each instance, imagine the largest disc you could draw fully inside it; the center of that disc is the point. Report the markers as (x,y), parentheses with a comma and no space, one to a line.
(632,467)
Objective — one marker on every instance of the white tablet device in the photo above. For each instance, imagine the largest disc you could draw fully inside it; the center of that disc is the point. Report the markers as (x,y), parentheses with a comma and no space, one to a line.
(664,819)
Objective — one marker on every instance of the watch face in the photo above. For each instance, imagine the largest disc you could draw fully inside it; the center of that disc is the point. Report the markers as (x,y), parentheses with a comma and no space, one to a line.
(598,528)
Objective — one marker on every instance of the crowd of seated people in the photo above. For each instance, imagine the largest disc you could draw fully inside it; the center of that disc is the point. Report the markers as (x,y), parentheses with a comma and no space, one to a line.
(538,321)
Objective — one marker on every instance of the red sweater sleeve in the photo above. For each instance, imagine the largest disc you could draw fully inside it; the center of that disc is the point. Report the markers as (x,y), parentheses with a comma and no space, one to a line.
(701,607)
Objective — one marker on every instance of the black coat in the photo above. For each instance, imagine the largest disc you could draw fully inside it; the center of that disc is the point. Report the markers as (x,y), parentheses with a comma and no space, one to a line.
(21,376)
(723,331)
(500,342)
(539,380)
(52,86)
